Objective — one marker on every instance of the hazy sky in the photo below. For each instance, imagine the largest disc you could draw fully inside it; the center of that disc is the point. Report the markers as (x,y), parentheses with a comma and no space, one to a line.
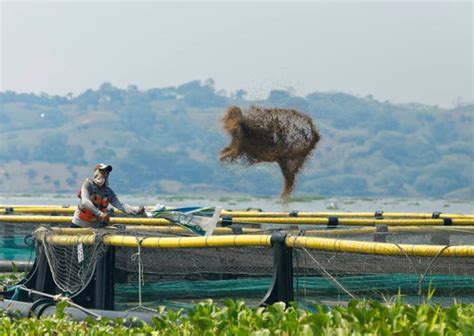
(400,51)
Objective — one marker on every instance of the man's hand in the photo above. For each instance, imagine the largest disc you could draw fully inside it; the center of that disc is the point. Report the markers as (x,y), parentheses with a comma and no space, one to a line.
(104,217)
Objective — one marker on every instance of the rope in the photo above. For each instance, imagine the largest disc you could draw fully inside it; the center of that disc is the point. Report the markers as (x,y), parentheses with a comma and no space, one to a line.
(60,298)
(141,281)
(16,293)
(301,233)
(337,283)
(407,256)
(422,277)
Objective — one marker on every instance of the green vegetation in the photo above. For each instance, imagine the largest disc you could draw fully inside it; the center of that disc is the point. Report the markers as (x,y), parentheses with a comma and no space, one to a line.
(235,318)
(167,141)
(9,279)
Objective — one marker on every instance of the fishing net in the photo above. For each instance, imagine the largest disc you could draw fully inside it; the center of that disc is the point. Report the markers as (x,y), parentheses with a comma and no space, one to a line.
(148,277)
(340,276)
(16,242)
(72,265)
(178,277)
(284,136)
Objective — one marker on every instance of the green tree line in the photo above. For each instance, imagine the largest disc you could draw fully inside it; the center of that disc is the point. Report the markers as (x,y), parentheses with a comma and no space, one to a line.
(368,147)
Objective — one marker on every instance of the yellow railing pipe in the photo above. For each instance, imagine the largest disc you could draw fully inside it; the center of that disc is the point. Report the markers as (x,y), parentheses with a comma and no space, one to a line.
(69,209)
(165,242)
(348,221)
(391,229)
(352,246)
(322,244)
(43,210)
(67,219)
(340,214)
(247,220)
(147,228)
(222,230)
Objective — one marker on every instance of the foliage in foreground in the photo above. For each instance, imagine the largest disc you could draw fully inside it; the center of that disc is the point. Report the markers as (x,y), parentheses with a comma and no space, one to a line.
(235,318)
(9,279)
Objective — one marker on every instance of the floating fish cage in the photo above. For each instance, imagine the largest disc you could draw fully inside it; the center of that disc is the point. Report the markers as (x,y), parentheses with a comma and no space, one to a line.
(256,256)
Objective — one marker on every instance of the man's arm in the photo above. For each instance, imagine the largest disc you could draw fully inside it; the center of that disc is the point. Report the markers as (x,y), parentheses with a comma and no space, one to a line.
(129,210)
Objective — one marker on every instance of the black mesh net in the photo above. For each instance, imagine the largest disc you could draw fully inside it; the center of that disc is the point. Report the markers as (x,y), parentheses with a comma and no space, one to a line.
(16,243)
(176,277)
(336,277)
(181,276)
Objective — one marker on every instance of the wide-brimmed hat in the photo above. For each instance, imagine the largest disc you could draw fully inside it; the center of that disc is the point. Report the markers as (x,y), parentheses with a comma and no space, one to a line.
(103,166)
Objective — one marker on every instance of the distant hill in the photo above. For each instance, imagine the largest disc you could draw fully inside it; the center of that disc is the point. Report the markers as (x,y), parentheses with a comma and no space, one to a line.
(167,140)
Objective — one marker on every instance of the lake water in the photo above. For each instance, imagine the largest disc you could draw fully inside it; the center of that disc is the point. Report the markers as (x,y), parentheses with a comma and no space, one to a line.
(234,202)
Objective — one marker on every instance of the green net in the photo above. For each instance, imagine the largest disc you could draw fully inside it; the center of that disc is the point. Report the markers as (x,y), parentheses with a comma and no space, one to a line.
(180,276)
(186,275)
(339,276)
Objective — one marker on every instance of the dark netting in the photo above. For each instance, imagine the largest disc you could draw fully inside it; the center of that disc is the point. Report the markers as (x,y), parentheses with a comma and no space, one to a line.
(339,276)
(16,242)
(18,229)
(177,277)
